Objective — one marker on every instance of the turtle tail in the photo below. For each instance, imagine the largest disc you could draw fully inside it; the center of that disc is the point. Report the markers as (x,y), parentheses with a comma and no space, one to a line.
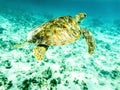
(19,44)
(89,40)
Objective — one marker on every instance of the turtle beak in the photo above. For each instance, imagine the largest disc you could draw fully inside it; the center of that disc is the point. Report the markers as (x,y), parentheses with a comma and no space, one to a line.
(83,15)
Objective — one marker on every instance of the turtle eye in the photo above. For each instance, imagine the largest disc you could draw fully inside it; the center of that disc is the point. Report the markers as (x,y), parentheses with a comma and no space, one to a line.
(85,14)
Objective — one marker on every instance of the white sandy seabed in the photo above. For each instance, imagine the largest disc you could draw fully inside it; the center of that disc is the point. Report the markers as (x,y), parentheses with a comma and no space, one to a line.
(67,67)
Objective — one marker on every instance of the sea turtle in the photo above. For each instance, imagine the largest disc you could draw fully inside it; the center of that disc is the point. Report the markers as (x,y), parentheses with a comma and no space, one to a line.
(59,31)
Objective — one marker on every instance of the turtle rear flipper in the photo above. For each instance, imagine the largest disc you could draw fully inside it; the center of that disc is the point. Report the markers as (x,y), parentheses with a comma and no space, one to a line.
(39,51)
(90,41)
(19,44)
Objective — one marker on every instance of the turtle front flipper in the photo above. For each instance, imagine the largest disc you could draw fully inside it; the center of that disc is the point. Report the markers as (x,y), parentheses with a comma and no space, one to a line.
(90,41)
(39,51)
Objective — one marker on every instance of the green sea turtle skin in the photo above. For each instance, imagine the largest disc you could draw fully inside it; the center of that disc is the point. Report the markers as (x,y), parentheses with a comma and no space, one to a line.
(57,32)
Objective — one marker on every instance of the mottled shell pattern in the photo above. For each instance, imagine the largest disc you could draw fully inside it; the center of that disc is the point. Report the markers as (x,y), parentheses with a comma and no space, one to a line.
(59,31)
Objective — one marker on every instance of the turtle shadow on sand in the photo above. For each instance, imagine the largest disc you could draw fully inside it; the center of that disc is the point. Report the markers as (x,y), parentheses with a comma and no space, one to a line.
(57,32)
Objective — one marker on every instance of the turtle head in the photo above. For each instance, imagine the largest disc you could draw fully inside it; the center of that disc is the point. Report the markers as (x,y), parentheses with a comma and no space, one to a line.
(79,17)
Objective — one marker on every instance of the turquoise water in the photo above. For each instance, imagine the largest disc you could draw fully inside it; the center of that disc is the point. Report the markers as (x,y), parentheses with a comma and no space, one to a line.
(67,67)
